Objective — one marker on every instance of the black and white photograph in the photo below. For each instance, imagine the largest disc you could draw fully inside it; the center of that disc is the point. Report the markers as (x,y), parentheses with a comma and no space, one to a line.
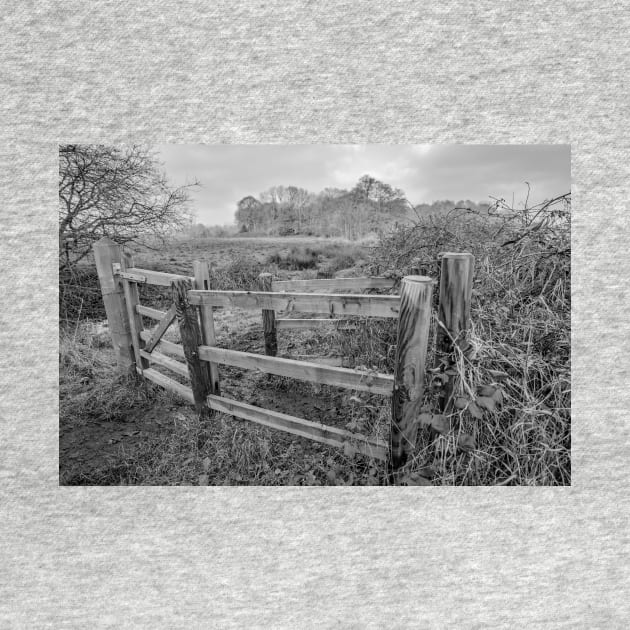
(315,315)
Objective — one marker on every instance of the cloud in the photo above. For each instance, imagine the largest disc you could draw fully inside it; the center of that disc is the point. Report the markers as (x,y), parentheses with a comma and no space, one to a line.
(425,172)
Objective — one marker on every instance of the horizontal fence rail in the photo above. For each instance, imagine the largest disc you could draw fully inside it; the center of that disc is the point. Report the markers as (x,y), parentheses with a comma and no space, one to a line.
(340,324)
(347,304)
(161,359)
(307,371)
(297,426)
(147,311)
(168,383)
(333,285)
(164,345)
(147,276)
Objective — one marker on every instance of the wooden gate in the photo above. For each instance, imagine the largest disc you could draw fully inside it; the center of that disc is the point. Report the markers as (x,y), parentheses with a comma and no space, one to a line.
(193,305)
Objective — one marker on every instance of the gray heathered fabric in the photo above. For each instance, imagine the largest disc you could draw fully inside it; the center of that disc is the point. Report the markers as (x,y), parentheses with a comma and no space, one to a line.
(307,72)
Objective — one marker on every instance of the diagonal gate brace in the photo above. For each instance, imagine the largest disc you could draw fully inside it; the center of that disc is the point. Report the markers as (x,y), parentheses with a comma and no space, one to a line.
(165,322)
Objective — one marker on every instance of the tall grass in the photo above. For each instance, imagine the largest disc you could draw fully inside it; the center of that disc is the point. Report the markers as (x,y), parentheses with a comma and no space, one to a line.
(90,384)
(513,388)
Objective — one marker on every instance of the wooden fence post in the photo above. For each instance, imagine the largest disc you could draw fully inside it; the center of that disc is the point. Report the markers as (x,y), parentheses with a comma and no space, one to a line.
(132,299)
(269,318)
(414,320)
(202,283)
(456,278)
(106,253)
(191,340)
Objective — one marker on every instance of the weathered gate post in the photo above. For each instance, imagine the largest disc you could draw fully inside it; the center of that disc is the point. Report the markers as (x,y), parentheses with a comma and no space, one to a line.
(268,317)
(202,283)
(132,299)
(191,340)
(106,253)
(456,278)
(414,320)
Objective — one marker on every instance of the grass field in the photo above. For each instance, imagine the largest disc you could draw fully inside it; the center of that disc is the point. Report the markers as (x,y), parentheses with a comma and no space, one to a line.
(114,430)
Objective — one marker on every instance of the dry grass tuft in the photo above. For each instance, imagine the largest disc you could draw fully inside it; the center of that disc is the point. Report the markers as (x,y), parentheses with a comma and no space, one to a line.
(513,390)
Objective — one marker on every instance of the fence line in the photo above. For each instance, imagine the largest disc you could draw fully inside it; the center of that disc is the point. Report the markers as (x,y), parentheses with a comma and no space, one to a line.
(194,301)
(333,285)
(345,304)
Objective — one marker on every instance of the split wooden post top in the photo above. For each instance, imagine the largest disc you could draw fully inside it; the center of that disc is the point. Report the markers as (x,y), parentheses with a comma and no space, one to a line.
(413,335)
(106,253)
(268,317)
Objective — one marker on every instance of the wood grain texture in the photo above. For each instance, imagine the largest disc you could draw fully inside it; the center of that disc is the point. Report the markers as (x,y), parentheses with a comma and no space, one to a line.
(366,305)
(168,383)
(302,370)
(165,346)
(335,361)
(106,253)
(338,324)
(334,285)
(147,311)
(456,276)
(156,277)
(191,340)
(165,322)
(268,317)
(132,299)
(297,426)
(413,334)
(206,321)
(161,359)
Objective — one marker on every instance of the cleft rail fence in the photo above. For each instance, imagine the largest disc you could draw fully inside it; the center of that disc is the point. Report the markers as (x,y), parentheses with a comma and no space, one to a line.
(197,358)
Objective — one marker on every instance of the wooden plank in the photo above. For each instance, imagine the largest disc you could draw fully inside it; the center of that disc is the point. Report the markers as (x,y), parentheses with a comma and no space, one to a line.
(268,318)
(367,305)
(157,277)
(147,311)
(306,371)
(169,383)
(132,299)
(456,276)
(333,285)
(165,322)
(206,321)
(333,361)
(161,359)
(297,426)
(339,324)
(411,351)
(132,277)
(106,254)
(164,345)
(191,340)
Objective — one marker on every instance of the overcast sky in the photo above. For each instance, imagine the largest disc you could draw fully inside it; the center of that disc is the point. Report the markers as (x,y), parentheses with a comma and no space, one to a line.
(426,173)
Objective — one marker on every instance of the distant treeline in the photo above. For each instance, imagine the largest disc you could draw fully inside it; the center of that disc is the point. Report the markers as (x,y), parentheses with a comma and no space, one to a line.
(371,206)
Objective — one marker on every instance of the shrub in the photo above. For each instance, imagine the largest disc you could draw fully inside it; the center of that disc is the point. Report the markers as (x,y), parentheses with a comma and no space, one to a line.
(521,328)
(80,296)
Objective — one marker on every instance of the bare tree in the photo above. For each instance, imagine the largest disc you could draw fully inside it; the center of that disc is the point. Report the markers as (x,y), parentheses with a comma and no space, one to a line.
(121,193)
(248,213)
